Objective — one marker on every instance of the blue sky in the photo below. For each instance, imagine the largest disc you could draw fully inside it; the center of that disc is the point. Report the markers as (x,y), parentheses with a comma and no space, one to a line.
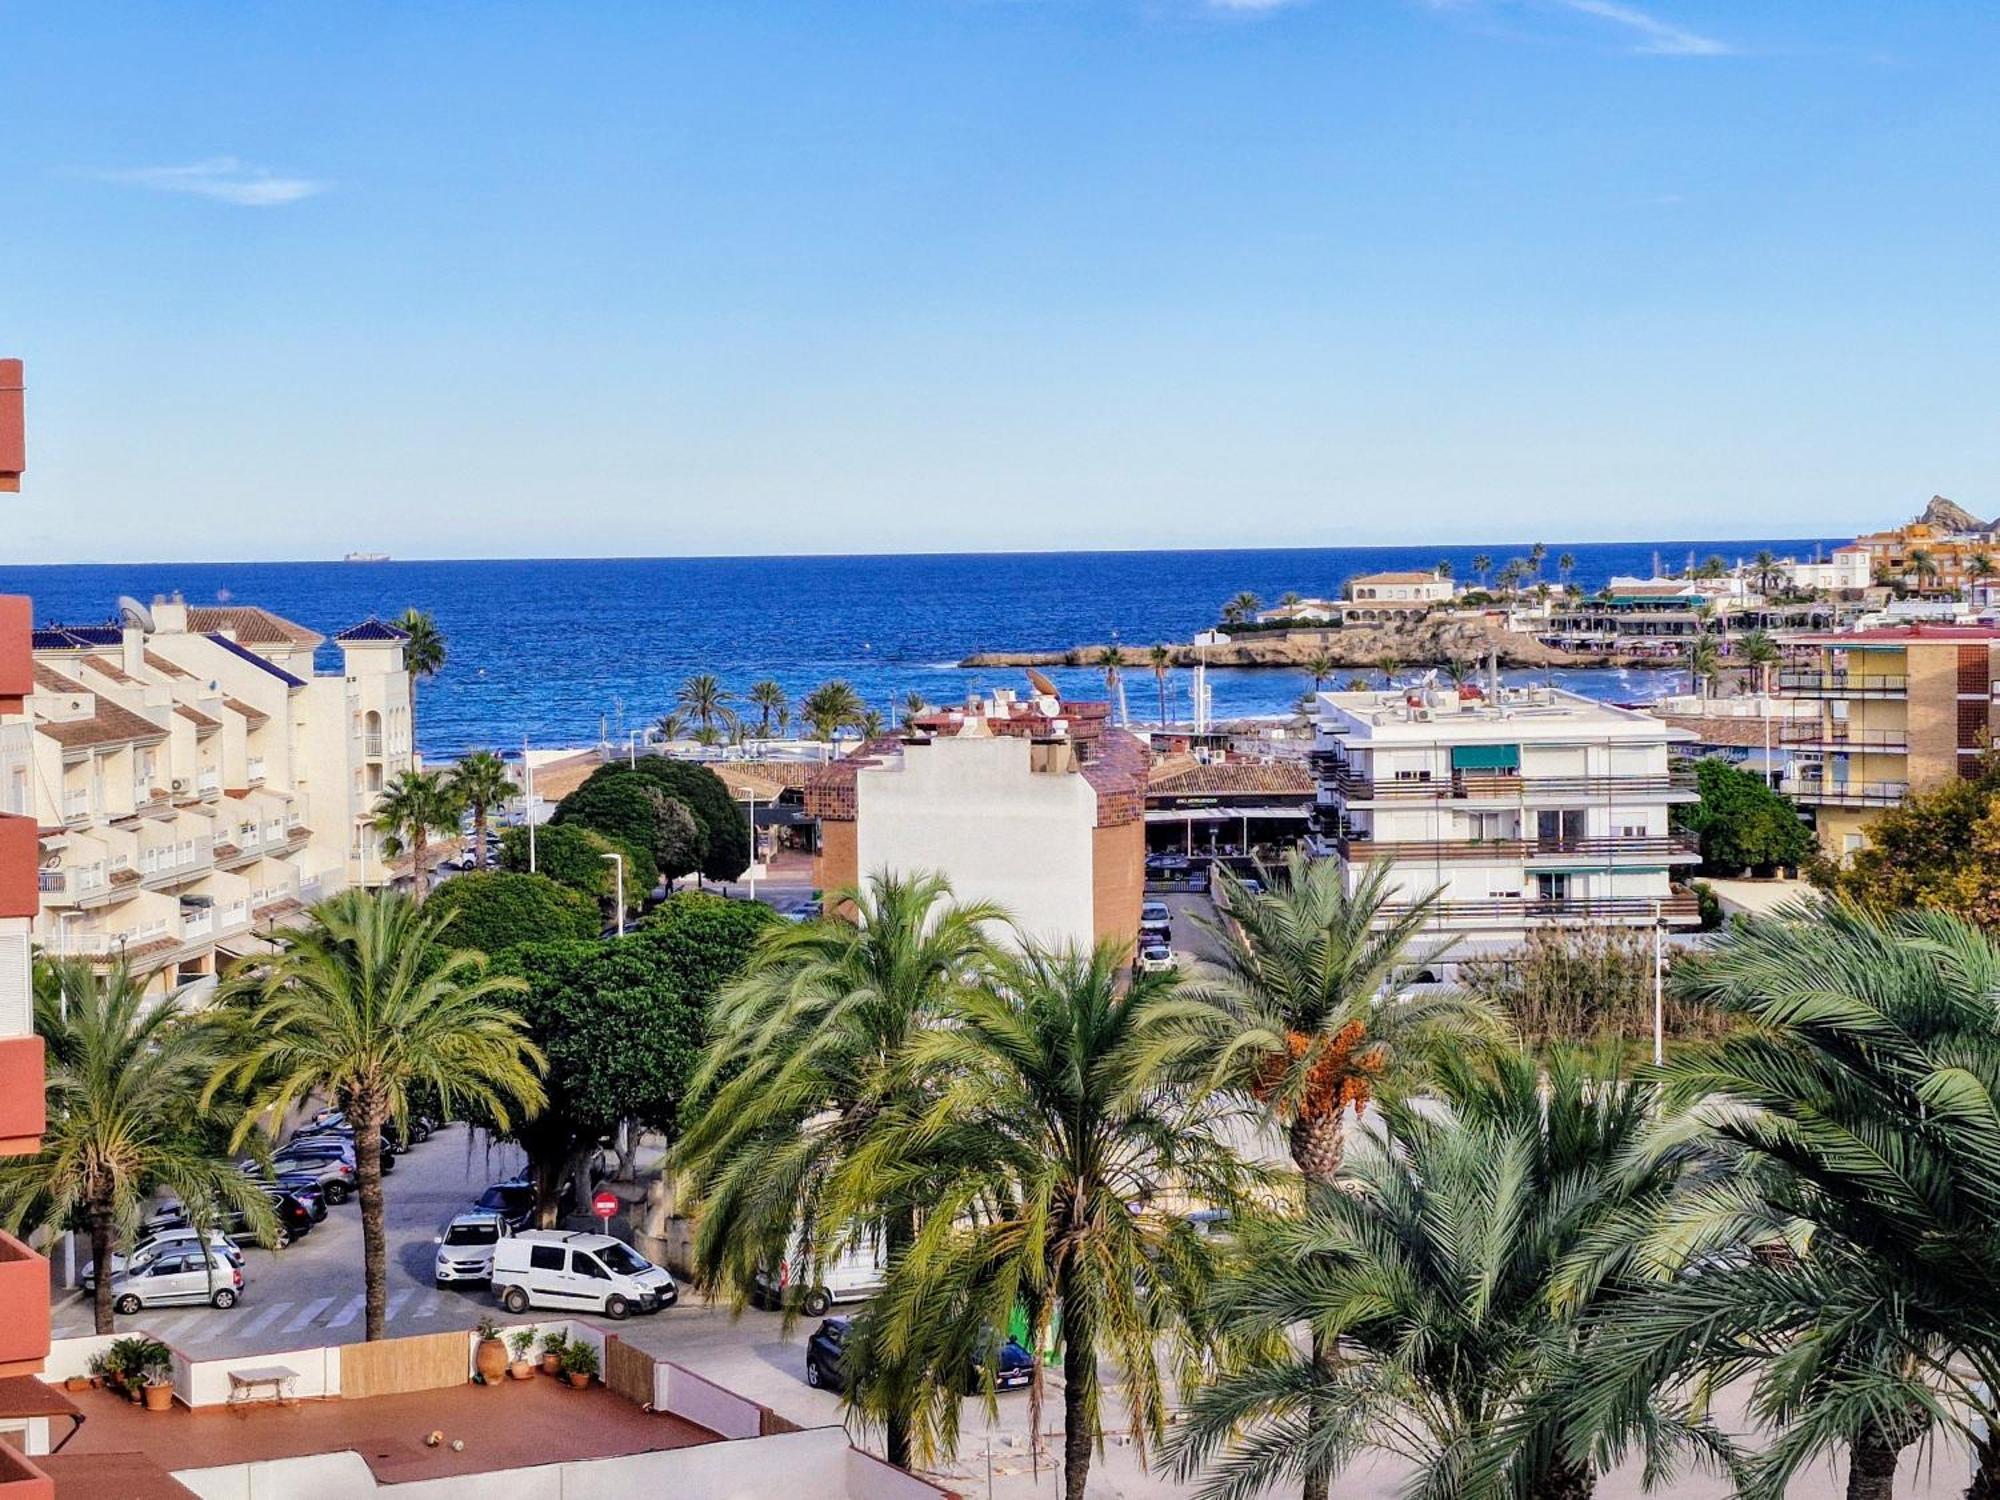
(682,277)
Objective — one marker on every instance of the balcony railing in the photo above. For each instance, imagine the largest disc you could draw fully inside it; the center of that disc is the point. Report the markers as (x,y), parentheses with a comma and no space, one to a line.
(1676,909)
(1471,786)
(1834,793)
(371,746)
(76,807)
(1815,684)
(255,771)
(1812,735)
(1672,847)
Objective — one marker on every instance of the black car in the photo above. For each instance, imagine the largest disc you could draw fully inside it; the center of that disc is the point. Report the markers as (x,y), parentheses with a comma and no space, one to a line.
(1013,1367)
(513,1201)
(304,1186)
(295,1220)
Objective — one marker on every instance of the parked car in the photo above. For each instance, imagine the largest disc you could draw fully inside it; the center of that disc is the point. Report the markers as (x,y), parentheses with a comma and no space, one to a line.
(340,1137)
(1012,1365)
(1155,914)
(1155,958)
(329,1175)
(465,1248)
(855,1277)
(295,1220)
(577,1272)
(152,1247)
(513,1201)
(177,1278)
(302,1181)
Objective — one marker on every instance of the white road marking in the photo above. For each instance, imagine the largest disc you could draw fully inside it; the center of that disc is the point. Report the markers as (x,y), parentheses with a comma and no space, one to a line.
(265,1316)
(307,1313)
(396,1303)
(200,1328)
(348,1313)
(428,1308)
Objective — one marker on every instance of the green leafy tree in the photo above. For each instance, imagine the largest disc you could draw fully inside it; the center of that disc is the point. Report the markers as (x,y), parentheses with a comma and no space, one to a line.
(806,1052)
(1056,1121)
(767,696)
(724,824)
(1480,1233)
(126,1114)
(1939,849)
(1846,1243)
(633,806)
(830,708)
(413,808)
(494,911)
(573,856)
(703,699)
(1758,650)
(366,1006)
(480,782)
(1742,822)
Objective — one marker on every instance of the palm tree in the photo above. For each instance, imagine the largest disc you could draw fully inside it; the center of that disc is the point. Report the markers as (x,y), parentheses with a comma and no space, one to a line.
(424,651)
(480,781)
(1979,565)
(1853,1098)
(414,806)
(914,706)
(1482,564)
(1758,650)
(1566,565)
(1443,568)
(670,726)
(872,725)
(1240,608)
(1388,664)
(1319,667)
(1457,1276)
(830,708)
(1290,600)
(1764,568)
(367,1007)
(125,1114)
(805,1052)
(1055,1126)
(767,696)
(1511,573)
(1111,661)
(1159,658)
(1536,555)
(1923,566)
(1704,662)
(703,699)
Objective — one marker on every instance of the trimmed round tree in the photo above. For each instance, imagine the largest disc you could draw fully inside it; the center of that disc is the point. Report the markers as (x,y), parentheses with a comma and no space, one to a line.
(495,912)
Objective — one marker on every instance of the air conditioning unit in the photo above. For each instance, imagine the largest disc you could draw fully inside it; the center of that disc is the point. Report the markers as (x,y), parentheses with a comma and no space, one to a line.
(1422,715)
(182,784)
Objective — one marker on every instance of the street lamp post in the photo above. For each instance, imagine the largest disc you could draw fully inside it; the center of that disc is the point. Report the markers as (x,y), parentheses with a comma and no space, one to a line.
(753,843)
(528,801)
(618,869)
(1659,989)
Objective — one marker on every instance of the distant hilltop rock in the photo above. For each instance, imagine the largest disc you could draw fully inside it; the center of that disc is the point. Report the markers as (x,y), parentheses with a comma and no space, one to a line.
(1948,515)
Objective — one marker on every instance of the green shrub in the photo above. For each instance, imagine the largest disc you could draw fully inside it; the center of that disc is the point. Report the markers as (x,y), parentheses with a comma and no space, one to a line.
(495,912)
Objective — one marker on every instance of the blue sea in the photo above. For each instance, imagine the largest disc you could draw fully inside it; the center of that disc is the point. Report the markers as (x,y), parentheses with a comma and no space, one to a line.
(556,653)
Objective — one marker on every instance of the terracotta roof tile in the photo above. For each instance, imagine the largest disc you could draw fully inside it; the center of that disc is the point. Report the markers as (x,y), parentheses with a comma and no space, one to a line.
(249,711)
(104,666)
(166,668)
(110,724)
(250,624)
(1285,778)
(203,724)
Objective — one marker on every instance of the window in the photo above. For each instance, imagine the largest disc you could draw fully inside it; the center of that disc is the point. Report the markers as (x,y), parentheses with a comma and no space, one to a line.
(545,1258)
(624,1261)
(170,1265)
(472,1234)
(585,1265)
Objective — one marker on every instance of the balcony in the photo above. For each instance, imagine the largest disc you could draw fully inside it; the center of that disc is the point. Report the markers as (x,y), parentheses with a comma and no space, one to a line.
(1815,684)
(371,746)
(24,1292)
(21,1094)
(1676,785)
(1837,737)
(255,772)
(208,784)
(1678,909)
(76,807)
(1609,850)
(197,925)
(1828,792)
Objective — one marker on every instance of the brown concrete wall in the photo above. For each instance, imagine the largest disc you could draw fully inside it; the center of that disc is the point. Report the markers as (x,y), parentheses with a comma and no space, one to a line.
(1933,715)
(1834,823)
(1117,880)
(835,865)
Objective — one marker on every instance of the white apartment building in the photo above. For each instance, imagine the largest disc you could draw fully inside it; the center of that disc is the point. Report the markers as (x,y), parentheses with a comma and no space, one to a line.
(1851,567)
(1522,809)
(196,779)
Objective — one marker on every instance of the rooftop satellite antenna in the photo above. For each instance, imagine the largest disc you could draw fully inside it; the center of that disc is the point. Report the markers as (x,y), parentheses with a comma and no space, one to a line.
(132,612)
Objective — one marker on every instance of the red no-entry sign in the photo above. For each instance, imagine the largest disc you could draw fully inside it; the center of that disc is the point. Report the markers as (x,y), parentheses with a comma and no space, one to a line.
(604,1205)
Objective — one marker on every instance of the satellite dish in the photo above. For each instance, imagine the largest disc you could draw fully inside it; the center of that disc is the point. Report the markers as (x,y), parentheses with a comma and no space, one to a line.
(1042,685)
(132,612)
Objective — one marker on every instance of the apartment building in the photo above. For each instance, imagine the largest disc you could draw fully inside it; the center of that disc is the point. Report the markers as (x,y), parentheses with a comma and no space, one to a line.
(1375,597)
(1901,708)
(1032,803)
(1523,808)
(197,780)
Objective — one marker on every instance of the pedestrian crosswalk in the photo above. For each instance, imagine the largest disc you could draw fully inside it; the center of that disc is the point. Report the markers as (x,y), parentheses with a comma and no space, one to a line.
(289,1318)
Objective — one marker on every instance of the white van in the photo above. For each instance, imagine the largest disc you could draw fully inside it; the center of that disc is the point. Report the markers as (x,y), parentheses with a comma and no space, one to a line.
(577,1273)
(855,1277)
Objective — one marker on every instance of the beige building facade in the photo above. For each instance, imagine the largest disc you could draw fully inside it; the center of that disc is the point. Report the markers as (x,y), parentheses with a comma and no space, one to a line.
(197,780)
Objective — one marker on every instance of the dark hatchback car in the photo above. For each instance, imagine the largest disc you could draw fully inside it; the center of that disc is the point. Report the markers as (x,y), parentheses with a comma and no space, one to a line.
(513,1201)
(295,1220)
(1013,1367)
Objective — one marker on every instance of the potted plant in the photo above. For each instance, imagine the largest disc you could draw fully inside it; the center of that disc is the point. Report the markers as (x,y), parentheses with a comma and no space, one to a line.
(579,1363)
(159,1385)
(519,1343)
(552,1351)
(98,1365)
(490,1357)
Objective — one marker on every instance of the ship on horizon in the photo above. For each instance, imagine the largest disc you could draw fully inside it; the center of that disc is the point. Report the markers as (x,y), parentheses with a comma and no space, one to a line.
(366,557)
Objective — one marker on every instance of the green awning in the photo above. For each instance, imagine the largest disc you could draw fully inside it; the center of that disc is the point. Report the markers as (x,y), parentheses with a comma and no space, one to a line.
(1486,757)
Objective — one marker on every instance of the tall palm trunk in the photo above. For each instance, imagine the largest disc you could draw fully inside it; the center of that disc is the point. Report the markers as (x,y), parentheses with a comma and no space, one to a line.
(1078,1353)
(1565,1479)
(479,831)
(102,1236)
(1162,676)
(420,848)
(367,1115)
(1318,1145)
(897,1236)
(1871,1473)
(1985,1469)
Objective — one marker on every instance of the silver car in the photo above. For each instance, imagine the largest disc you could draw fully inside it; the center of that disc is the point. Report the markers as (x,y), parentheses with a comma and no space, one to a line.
(176,1279)
(465,1249)
(152,1248)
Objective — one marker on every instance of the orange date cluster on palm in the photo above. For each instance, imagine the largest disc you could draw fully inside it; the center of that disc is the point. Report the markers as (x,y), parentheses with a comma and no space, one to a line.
(1342,1072)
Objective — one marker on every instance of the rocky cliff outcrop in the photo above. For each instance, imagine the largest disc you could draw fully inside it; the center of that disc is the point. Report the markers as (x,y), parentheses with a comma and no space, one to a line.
(1948,515)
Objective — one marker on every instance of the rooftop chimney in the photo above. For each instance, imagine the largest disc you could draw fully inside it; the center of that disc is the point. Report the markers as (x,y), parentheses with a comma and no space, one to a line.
(13,425)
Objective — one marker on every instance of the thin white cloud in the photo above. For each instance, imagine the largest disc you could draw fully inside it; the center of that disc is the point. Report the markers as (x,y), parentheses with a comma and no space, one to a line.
(1650,34)
(223,178)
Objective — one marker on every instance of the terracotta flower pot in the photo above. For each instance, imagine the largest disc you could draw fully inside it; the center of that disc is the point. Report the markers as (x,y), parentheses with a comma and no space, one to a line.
(552,1364)
(522,1369)
(579,1381)
(159,1398)
(490,1360)
(77,1383)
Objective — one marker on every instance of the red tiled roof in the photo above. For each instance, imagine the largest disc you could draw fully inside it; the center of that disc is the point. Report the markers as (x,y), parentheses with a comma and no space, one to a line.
(250,625)
(166,668)
(203,724)
(249,711)
(1289,778)
(1901,635)
(105,666)
(1400,578)
(109,725)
